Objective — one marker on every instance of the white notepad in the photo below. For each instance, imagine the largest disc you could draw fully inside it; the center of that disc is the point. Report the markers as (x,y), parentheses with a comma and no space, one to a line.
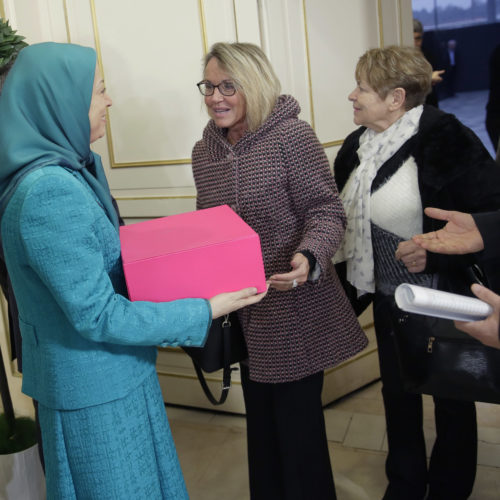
(430,302)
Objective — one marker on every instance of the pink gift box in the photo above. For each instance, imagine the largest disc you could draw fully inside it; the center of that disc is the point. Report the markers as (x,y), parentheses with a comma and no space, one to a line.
(190,255)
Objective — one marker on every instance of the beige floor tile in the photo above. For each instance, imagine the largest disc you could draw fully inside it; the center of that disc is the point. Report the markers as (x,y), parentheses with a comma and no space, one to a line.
(487,485)
(366,432)
(371,391)
(365,400)
(488,454)
(189,415)
(229,420)
(359,475)
(212,448)
(429,435)
(385,444)
(428,406)
(359,405)
(488,415)
(490,435)
(213,460)
(336,423)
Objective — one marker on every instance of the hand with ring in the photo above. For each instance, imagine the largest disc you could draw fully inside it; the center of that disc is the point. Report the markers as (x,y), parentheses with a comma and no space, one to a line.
(294,278)
(412,256)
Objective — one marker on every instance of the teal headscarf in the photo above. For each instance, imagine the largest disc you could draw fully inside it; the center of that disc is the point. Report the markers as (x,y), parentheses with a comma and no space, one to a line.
(44,118)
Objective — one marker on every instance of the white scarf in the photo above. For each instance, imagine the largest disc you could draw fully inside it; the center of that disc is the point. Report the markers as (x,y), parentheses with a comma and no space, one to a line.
(374,150)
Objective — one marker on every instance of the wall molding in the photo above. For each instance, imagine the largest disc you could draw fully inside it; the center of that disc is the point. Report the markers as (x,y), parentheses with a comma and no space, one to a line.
(66,20)
(201,9)
(308,63)
(109,135)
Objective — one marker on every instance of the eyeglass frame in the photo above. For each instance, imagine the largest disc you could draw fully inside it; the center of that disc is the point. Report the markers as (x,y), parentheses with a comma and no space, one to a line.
(216,87)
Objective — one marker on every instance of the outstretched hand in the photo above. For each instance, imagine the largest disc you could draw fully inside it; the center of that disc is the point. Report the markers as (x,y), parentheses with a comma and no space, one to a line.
(294,278)
(225,303)
(459,236)
(486,331)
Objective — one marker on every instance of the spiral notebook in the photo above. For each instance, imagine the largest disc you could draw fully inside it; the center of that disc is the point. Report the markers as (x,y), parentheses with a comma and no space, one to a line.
(430,302)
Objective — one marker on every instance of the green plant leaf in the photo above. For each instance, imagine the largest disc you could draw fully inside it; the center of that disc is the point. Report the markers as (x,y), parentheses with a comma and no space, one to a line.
(10,43)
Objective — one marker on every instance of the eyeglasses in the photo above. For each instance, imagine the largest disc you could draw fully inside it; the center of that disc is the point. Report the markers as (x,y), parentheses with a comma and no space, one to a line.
(226,88)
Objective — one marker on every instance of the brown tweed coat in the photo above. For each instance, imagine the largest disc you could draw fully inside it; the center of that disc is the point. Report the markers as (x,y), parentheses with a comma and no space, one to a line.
(278,180)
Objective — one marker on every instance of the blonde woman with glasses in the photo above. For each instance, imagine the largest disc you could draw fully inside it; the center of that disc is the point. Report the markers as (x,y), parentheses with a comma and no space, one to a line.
(258,157)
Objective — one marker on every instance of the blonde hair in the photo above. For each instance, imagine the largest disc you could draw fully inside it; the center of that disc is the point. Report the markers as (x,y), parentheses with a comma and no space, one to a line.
(388,68)
(249,67)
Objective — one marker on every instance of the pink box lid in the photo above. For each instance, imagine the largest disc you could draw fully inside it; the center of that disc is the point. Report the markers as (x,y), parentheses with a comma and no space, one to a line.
(205,227)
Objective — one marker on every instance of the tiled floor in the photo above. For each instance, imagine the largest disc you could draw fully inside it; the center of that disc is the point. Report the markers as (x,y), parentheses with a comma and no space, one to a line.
(212,448)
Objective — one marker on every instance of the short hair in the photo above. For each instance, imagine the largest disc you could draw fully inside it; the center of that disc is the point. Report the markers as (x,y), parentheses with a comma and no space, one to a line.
(417,26)
(385,69)
(253,75)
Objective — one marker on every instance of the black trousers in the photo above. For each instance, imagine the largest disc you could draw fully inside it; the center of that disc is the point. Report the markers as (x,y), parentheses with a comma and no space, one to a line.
(452,468)
(288,455)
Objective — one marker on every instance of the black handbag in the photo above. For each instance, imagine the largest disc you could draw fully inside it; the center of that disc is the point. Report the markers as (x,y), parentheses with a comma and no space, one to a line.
(435,358)
(224,346)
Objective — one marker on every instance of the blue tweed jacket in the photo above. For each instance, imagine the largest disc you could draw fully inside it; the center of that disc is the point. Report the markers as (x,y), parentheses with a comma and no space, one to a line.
(84,342)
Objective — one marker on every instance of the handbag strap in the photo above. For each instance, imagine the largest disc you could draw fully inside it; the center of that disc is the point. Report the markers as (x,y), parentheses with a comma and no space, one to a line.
(226,375)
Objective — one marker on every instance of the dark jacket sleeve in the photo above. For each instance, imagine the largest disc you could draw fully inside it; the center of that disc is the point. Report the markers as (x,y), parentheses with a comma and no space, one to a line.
(456,172)
(488,224)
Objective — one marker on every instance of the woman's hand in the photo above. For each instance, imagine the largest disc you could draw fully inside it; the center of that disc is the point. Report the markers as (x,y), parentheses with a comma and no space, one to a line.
(412,256)
(486,331)
(225,303)
(294,278)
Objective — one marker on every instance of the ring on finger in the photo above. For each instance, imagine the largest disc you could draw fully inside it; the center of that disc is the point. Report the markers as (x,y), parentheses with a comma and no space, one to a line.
(294,284)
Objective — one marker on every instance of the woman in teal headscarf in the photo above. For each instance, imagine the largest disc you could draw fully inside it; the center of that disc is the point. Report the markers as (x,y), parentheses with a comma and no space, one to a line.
(88,352)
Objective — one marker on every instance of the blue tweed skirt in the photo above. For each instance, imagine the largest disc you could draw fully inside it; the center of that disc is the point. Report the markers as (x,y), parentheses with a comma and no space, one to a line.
(118,450)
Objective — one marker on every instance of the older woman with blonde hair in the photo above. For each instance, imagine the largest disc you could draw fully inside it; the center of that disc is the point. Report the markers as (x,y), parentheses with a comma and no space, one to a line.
(405,156)
(259,158)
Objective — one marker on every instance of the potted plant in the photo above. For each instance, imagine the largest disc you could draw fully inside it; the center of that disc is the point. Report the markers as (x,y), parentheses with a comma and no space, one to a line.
(10,45)
(21,475)
(16,434)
